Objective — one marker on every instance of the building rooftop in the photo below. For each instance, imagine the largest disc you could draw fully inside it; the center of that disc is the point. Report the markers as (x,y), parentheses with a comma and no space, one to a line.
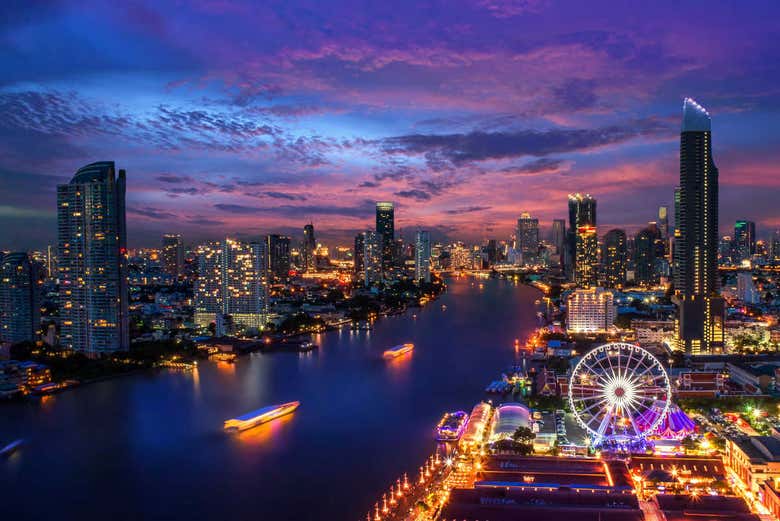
(695,117)
(97,171)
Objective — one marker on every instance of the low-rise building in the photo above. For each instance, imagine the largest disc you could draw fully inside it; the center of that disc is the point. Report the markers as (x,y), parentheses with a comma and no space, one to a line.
(754,460)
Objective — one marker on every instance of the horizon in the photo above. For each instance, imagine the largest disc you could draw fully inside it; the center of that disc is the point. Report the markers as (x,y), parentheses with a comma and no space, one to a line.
(223,128)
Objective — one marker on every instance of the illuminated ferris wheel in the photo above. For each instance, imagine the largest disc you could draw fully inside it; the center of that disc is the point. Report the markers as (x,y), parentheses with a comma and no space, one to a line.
(620,392)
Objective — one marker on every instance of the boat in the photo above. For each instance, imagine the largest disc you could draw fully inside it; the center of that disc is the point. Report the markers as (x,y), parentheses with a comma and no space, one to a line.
(451,426)
(397,351)
(11,447)
(254,418)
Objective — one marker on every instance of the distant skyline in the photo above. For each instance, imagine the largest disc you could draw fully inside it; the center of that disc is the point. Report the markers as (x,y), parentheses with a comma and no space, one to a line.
(245,118)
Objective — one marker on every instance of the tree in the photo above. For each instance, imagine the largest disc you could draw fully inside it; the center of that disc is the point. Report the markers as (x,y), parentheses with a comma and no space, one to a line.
(524,437)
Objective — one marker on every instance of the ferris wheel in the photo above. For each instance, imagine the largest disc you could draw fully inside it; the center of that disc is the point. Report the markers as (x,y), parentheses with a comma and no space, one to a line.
(619,391)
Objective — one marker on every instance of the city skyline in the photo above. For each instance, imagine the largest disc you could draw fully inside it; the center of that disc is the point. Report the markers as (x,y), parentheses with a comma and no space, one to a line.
(321,115)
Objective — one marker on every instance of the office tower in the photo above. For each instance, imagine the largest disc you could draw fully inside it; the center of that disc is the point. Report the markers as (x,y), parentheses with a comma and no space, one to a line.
(774,247)
(726,250)
(744,240)
(699,325)
(527,238)
(582,240)
(559,239)
(590,310)
(372,258)
(278,252)
(746,289)
(309,246)
(20,309)
(172,255)
(645,254)
(614,259)
(358,255)
(422,256)
(231,281)
(663,222)
(385,230)
(92,259)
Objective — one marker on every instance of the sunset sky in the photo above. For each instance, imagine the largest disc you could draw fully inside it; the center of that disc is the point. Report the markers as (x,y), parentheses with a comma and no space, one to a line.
(239,117)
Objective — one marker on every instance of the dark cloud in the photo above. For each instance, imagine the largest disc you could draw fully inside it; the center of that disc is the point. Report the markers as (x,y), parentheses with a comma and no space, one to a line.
(183,191)
(458,149)
(537,166)
(468,209)
(364,209)
(368,184)
(283,195)
(419,195)
(205,221)
(173,178)
(152,213)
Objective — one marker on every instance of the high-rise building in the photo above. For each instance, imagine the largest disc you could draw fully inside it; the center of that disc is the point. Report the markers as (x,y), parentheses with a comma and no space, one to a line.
(309,246)
(590,310)
(774,247)
(614,259)
(277,249)
(358,255)
(422,256)
(645,256)
(582,238)
(20,311)
(372,258)
(744,240)
(527,238)
(172,255)
(92,259)
(663,222)
(746,289)
(559,238)
(231,281)
(385,230)
(699,324)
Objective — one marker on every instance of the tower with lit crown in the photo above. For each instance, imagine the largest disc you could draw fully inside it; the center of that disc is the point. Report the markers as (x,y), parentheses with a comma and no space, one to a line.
(699,324)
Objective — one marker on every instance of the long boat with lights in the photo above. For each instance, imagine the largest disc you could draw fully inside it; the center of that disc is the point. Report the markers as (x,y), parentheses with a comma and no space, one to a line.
(451,426)
(254,418)
(397,351)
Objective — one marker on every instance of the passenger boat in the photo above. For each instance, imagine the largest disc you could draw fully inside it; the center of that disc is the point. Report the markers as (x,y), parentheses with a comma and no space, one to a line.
(254,418)
(11,447)
(451,426)
(397,351)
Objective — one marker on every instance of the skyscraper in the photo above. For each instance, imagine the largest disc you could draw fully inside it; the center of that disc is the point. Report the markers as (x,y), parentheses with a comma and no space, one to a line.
(528,238)
(663,222)
(277,249)
(422,256)
(358,255)
(173,255)
(92,258)
(699,324)
(20,313)
(372,258)
(744,240)
(774,247)
(231,281)
(559,238)
(583,241)
(613,259)
(309,261)
(385,230)
(645,256)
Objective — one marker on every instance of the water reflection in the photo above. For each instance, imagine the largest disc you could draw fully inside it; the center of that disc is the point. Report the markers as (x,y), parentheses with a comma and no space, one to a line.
(265,431)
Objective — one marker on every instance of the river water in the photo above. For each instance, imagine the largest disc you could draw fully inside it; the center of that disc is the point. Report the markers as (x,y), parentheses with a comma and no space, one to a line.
(151,446)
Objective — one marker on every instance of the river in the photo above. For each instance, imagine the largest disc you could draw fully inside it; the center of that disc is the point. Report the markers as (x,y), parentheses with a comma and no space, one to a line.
(151,446)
